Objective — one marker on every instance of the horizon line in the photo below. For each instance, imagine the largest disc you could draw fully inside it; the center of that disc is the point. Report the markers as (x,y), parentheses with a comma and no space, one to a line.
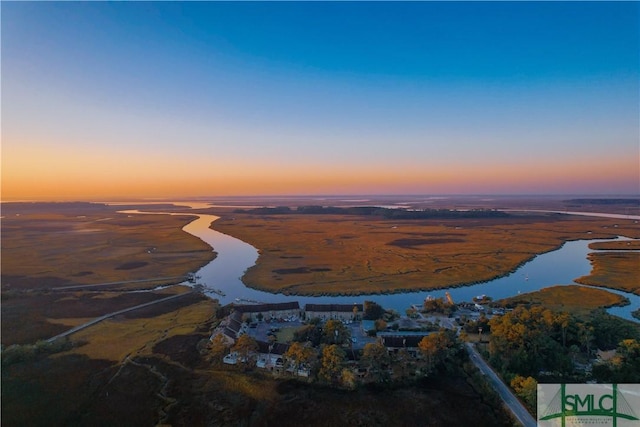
(317,196)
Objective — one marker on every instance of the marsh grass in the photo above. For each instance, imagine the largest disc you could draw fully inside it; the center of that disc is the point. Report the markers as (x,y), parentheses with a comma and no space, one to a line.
(41,250)
(347,255)
(573,299)
(29,316)
(616,245)
(620,270)
(114,339)
(50,245)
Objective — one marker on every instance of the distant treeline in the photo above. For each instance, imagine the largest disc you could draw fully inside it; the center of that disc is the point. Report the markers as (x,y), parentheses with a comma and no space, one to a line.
(377,211)
(634,202)
(53,207)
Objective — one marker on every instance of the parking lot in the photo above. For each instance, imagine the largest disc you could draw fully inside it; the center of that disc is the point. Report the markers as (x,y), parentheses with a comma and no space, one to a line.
(283,331)
(261,330)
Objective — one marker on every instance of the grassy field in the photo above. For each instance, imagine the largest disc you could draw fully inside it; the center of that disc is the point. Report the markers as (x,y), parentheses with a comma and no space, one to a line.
(49,245)
(616,246)
(135,333)
(31,316)
(52,247)
(332,254)
(570,298)
(69,388)
(618,270)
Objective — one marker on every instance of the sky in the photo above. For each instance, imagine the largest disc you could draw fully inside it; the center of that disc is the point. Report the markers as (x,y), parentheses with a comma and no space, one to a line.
(107,100)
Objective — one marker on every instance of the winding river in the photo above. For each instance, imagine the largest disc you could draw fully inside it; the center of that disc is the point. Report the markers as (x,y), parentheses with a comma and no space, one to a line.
(559,267)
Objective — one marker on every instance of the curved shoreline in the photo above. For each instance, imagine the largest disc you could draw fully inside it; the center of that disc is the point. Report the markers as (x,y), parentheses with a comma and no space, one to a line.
(398,299)
(289,292)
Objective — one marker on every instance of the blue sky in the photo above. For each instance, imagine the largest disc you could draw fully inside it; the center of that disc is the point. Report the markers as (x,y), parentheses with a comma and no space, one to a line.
(304,98)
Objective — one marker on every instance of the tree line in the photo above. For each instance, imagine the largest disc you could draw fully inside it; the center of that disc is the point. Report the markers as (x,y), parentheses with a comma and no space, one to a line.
(325,352)
(530,345)
(386,213)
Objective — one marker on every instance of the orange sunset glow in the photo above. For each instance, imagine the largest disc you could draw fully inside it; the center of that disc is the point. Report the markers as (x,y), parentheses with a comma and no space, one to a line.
(271,109)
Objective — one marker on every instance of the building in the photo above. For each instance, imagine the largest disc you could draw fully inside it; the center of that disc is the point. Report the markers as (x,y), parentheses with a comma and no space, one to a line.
(398,341)
(256,312)
(334,311)
(234,326)
(271,355)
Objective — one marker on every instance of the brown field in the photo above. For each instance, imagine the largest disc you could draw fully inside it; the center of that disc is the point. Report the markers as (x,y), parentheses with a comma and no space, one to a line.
(45,246)
(32,316)
(52,248)
(335,254)
(570,298)
(619,270)
(135,333)
(616,246)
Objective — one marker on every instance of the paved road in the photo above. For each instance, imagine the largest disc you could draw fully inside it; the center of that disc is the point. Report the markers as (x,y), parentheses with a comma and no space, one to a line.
(503,391)
(66,288)
(115,313)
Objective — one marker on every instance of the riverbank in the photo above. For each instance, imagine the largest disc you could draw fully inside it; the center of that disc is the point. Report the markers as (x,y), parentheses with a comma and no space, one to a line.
(614,270)
(335,255)
(578,300)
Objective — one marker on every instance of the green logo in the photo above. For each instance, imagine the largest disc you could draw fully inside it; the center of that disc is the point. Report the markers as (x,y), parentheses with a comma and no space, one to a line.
(601,404)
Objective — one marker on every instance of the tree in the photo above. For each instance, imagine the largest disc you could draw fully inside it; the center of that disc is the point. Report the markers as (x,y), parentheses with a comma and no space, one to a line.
(626,363)
(331,364)
(437,347)
(372,310)
(429,350)
(218,348)
(609,330)
(380,325)
(472,326)
(348,379)
(335,332)
(563,319)
(376,358)
(401,364)
(437,305)
(308,333)
(585,336)
(245,346)
(298,354)
(526,389)
(524,342)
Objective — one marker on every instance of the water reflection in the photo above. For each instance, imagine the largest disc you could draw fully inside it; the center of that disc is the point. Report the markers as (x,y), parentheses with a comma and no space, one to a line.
(559,267)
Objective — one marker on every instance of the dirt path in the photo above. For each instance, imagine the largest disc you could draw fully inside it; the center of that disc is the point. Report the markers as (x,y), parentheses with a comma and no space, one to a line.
(115,313)
(158,279)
